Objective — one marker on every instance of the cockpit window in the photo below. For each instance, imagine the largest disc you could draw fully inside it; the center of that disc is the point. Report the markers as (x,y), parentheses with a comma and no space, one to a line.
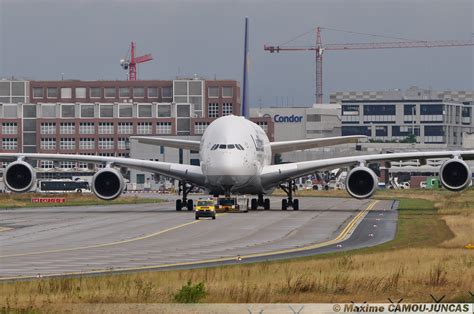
(227,146)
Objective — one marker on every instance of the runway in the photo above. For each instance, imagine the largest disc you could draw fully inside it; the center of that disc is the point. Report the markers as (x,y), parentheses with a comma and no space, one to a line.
(58,241)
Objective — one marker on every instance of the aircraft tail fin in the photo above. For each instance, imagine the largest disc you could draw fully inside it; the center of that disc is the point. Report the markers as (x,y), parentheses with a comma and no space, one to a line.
(245,88)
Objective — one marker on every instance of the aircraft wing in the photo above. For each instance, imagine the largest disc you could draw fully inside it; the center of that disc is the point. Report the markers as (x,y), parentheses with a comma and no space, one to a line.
(192,174)
(275,174)
(168,142)
(289,146)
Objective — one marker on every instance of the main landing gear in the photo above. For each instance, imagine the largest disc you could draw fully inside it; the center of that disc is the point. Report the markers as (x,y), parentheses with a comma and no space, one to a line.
(260,202)
(184,202)
(289,202)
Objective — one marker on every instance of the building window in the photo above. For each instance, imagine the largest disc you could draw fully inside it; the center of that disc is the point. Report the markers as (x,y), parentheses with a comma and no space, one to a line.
(144,111)
(194,162)
(52,92)
(10,111)
(200,127)
(46,164)
(68,111)
(313,118)
(109,92)
(166,92)
(138,92)
(431,113)
(66,93)
(48,143)
(125,128)
(87,128)
(227,109)
(106,111)
(67,128)
(48,111)
(9,143)
(263,125)
(80,92)
(67,164)
(164,111)
(122,143)
(106,143)
(140,178)
(29,111)
(213,92)
(106,128)
(227,92)
(213,110)
(409,110)
(67,144)
(152,92)
(144,128)
(125,111)
(356,130)
(95,92)
(379,110)
(183,111)
(87,111)
(163,128)
(87,143)
(9,128)
(38,92)
(48,128)
(124,92)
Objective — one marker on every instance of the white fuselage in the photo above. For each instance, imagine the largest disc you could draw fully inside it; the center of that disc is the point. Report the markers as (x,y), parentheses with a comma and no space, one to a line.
(233,152)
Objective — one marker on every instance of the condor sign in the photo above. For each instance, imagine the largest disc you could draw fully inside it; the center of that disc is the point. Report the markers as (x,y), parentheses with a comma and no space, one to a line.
(285,119)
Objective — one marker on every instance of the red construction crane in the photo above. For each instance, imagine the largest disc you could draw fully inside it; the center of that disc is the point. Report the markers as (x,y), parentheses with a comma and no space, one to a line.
(131,64)
(320,48)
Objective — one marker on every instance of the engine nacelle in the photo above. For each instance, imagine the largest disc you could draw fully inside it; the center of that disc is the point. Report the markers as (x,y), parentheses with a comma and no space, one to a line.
(107,184)
(19,176)
(361,182)
(455,174)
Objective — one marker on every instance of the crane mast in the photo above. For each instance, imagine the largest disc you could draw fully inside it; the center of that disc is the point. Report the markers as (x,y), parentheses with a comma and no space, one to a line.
(131,64)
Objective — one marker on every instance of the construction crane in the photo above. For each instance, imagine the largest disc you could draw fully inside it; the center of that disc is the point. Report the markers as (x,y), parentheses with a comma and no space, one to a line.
(319,48)
(130,64)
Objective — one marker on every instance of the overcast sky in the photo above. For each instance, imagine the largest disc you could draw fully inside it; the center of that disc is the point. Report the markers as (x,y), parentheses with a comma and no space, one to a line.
(86,39)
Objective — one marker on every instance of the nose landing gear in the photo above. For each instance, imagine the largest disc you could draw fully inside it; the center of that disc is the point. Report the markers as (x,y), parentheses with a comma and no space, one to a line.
(260,202)
(289,202)
(184,202)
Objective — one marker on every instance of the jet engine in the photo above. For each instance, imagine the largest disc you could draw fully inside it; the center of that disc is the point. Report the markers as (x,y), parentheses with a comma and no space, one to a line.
(361,182)
(455,174)
(107,184)
(19,176)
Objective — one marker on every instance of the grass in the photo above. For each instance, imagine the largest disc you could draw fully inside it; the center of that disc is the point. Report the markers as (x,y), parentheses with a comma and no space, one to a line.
(13,200)
(427,257)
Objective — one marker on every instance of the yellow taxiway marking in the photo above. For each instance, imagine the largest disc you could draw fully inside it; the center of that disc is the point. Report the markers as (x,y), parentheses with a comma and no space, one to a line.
(94,246)
(349,228)
(5,229)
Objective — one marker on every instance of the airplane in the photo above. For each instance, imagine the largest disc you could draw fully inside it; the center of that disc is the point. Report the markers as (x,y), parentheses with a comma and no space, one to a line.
(236,157)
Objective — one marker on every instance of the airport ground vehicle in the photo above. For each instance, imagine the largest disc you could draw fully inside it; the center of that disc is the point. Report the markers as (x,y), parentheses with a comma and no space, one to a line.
(232,204)
(205,208)
(227,203)
(433,183)
(78,186)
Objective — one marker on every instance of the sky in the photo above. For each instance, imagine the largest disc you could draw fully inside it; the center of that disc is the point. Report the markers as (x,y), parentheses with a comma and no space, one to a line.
(85,39)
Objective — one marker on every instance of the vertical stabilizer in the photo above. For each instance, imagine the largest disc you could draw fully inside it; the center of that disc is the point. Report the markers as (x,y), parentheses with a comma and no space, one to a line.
(245,87)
